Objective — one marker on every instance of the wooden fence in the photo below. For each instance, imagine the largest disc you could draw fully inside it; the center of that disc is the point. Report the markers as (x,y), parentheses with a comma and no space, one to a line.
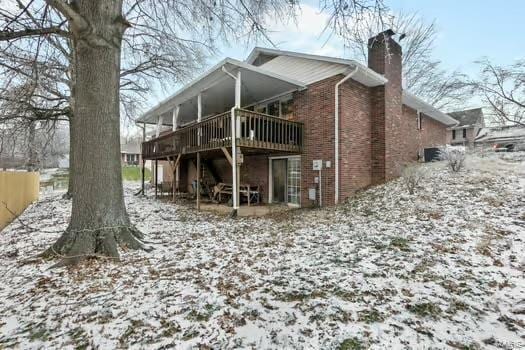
(17,191)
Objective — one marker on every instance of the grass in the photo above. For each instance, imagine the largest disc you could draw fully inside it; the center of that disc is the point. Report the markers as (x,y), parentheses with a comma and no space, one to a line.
(370,316)
(133,173)
(351,344)
(400,243)
(425,309)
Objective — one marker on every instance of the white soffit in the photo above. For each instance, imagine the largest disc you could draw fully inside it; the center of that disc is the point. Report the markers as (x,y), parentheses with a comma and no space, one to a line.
(218,89)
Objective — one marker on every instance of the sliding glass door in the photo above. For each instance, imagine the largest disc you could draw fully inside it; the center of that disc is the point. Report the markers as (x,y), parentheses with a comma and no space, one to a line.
(286,180)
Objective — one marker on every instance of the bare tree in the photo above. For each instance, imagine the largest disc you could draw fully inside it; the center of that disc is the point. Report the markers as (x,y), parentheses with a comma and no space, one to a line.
(422,73)
(161,39)
(503,91)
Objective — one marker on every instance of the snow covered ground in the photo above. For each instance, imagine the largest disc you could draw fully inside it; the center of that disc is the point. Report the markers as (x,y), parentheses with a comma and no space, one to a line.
(443,268)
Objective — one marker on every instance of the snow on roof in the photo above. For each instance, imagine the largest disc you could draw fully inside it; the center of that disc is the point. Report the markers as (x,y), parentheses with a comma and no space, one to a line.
(468,117)
(501,134)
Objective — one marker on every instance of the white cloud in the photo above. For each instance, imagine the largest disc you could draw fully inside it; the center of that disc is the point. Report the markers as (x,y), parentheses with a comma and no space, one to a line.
(306,33)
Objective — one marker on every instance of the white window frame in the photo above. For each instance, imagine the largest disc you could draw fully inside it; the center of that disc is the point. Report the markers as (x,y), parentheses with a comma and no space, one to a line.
(270,181)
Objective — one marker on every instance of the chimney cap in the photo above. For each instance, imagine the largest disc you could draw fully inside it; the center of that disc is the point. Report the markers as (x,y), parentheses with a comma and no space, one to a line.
(388,32)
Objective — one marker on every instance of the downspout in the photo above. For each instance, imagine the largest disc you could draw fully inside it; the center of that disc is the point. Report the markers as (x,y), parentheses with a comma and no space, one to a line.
(336,107)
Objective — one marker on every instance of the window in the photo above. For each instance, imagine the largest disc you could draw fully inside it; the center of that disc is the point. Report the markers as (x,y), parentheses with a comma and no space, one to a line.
(261,109)
(453,134)
(273,108)
(294,181)
(464,133)
(419,120)
(287,108)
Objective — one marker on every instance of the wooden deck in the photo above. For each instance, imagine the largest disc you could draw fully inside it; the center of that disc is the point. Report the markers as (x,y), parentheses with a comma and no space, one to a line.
(254,131)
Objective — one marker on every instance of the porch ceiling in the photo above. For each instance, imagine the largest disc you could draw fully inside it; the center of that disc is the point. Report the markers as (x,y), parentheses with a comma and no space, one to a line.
(217,90)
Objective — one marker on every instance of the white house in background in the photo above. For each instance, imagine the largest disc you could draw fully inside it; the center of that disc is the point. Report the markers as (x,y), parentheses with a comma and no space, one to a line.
(130,153)
(508,137)
(470,121)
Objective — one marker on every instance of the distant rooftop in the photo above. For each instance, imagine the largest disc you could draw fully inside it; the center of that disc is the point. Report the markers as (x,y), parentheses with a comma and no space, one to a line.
(468,117)
(514,133)
(130,147)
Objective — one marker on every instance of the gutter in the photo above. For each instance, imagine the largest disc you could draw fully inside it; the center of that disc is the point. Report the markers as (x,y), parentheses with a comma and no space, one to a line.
(348,76)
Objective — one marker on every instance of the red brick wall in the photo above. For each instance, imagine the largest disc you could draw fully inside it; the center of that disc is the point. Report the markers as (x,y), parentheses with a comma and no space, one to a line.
(315,108)
(388,128)
(432,134)
(355,152)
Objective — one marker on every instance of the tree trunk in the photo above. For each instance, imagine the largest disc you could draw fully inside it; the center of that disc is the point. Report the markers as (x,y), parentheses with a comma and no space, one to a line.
(71,175)
(99,221)
(31,163)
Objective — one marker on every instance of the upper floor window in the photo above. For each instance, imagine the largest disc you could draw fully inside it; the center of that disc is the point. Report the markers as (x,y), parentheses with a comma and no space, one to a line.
(273,108)
(282,107)
(287,108)
(261,109)
(464,133)
(419,120)
(453,134)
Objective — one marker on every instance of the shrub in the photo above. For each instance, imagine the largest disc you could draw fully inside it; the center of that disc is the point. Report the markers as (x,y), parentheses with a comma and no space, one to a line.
(454,156)
(411,175)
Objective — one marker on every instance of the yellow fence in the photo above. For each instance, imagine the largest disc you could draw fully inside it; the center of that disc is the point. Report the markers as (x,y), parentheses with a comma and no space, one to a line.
(17,191)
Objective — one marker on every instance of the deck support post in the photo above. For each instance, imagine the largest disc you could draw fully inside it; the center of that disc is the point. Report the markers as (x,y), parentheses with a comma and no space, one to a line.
(143,176)
(175,171)
(198,181)
(156,177)
(235,167)
(235,164)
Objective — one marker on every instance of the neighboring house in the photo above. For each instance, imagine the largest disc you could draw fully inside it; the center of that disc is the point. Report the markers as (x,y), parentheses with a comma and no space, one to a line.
(509,137)
(470,121)
(308,129)
(130,153)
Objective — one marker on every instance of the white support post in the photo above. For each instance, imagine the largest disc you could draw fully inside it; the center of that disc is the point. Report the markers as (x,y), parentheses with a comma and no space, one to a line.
(199,116)
(199,107)
(238,90)
(235,192)
(175,118)
(235,130)
(159,124)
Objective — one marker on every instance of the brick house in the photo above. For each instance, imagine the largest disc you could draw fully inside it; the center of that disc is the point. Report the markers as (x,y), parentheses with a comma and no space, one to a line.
(130,152)
(470,122)
(308,129)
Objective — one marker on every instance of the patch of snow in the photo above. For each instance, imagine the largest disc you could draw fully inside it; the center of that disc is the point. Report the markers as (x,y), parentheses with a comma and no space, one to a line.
(441,268)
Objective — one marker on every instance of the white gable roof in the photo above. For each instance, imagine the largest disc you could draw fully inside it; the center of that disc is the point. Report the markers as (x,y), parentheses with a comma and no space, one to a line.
(305,70)
(311,68)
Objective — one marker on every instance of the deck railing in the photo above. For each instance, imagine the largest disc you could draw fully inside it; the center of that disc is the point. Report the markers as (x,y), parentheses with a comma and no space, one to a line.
(253,130)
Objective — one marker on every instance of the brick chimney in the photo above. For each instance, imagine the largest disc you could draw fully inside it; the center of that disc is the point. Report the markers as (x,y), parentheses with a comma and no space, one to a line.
(384,57)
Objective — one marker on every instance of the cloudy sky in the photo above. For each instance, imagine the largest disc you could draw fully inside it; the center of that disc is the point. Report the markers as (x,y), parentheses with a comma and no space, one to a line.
(468,31)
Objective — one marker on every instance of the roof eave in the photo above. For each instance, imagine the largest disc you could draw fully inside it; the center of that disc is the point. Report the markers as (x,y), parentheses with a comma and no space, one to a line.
(171,100)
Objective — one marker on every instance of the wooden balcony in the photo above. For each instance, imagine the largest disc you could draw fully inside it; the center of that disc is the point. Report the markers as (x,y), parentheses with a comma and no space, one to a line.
(255,131)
